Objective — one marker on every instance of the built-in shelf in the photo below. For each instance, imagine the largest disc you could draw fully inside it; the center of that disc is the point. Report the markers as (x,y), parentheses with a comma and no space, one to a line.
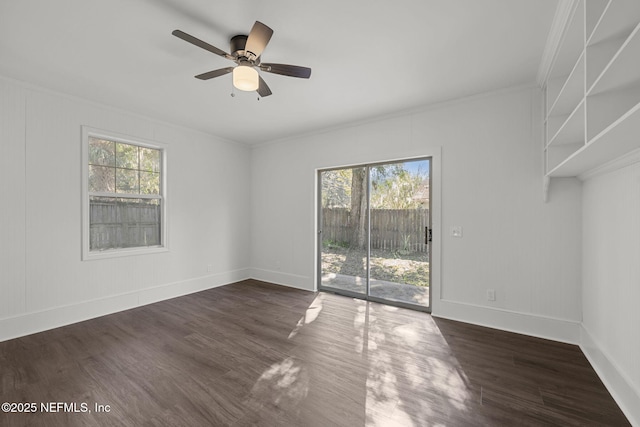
(616,20)
(571,92)
(620,138)
(607,108)
(593,14)
(557,155)
(599,56)
(593,105)
(570,128)
(569,52)
(623,70)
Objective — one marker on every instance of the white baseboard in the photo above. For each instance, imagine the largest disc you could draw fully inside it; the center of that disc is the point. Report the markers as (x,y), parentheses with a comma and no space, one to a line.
(172,290)
(626,395)
(39,321)
(562,330)
(285,279)
(30,323)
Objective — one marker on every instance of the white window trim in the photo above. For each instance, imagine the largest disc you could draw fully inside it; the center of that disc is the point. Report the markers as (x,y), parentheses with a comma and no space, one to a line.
(111,253)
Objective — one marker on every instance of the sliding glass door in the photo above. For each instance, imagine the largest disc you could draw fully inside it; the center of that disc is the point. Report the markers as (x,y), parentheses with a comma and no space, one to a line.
(374,232)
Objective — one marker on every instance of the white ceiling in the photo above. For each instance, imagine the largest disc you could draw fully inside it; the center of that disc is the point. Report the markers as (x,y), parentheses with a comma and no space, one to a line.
(369,57)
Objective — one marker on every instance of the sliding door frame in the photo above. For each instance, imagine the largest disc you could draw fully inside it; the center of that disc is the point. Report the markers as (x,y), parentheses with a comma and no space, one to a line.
(367,296)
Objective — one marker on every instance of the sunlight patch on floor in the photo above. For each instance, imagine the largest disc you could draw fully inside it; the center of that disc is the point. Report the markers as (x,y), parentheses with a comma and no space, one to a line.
(310,315)
(391,386)
(285,383)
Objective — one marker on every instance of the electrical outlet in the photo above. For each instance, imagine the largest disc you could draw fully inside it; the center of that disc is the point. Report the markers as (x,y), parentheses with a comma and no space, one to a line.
(209,268)
(491,294)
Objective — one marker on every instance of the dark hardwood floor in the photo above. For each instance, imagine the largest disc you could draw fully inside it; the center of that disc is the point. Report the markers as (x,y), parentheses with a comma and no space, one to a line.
(259,354)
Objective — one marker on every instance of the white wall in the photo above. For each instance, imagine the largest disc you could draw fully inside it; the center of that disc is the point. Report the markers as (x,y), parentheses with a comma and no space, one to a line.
(611,290)
(491,184)
(43,282)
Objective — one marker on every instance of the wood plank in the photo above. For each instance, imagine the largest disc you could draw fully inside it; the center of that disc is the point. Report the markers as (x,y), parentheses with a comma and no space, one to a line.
(254,353)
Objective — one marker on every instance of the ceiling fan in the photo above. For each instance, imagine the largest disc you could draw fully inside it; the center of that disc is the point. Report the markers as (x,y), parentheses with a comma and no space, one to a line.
(245,52)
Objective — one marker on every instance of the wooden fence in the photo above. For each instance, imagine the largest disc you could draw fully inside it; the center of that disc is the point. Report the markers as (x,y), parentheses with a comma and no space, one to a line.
(391,229)
(123,224)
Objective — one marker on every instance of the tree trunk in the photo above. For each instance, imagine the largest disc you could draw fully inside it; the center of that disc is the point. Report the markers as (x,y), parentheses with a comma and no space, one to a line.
(358,215)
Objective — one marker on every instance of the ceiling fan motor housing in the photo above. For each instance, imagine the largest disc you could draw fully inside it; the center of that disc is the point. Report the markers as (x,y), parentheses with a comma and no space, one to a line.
(238,44)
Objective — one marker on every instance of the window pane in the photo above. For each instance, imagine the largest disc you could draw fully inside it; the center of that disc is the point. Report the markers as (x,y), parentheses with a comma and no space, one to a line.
(127,181)
(149,183)
(102,179)
(102,220)
(124,223)
(126,156)
(149,159)
(102,152)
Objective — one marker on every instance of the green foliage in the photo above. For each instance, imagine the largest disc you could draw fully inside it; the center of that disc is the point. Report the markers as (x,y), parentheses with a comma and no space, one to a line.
(392,187)
(336,188)
(396,188)
(330,244)
(116,167)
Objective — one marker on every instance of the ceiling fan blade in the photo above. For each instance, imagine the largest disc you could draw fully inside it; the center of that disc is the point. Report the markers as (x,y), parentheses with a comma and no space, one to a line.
(263,89)
(215,73)
(204,45)
(287,70)
(258,38)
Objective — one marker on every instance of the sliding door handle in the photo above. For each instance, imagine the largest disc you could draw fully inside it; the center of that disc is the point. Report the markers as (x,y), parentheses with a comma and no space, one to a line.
(428,235)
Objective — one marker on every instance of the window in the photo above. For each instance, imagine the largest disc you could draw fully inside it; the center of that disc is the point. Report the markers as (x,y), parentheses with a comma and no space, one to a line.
(124,195)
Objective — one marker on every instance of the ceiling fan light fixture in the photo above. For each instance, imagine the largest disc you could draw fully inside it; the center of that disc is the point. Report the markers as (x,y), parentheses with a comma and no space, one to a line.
(245,78)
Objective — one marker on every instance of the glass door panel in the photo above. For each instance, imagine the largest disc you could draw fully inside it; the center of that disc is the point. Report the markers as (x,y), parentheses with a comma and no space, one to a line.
(399,217)
(344,230)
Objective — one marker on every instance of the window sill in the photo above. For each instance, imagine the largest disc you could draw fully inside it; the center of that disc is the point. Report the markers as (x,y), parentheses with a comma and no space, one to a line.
(116,253)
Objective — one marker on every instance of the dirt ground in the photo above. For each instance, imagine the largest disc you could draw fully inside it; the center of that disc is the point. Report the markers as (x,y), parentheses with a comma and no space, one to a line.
(393,266)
